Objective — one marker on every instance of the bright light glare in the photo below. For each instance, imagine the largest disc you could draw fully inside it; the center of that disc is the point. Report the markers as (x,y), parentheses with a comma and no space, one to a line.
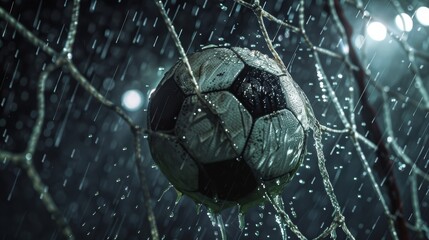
(422,15)
(377,31)
(404,22)
(132,100)
(150,92)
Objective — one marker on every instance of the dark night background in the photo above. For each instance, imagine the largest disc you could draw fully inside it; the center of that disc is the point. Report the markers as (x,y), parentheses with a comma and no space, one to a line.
(85,154)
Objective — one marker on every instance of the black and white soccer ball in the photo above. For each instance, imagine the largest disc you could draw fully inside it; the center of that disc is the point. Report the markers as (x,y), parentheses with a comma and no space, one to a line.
(247,131)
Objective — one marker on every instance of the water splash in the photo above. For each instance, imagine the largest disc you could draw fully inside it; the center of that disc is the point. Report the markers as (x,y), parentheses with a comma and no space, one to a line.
(216,220)
(221,226)
(241,220)
(278,200)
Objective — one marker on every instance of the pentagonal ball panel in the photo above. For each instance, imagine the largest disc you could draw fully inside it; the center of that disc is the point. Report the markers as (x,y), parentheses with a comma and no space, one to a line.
(258,60)
(164,106)
(228,180)
(213,68)
(275,145)
(259,91)
(215,130)
(174,162)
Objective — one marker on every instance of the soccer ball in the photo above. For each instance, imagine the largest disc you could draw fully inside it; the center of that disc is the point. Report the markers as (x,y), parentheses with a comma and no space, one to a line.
(243,136)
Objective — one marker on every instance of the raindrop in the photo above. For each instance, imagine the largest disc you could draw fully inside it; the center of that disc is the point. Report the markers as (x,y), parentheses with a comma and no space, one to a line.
(221,226)
(178,198)
(108,84)
(211,216)
(14,184)
(198,207)
(241,220)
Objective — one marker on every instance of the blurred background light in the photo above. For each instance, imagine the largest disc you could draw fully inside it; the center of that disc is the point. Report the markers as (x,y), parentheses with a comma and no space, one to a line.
(377,31)
(404,22)
(132,100)
(359,41)
(422,15)
(345,48)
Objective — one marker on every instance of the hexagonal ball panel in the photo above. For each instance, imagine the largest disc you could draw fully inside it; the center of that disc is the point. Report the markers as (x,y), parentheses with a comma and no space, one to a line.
(175,163)
(275,145)
(213,136)
(296,100)
(164,106)
(258,60)
(213,68)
